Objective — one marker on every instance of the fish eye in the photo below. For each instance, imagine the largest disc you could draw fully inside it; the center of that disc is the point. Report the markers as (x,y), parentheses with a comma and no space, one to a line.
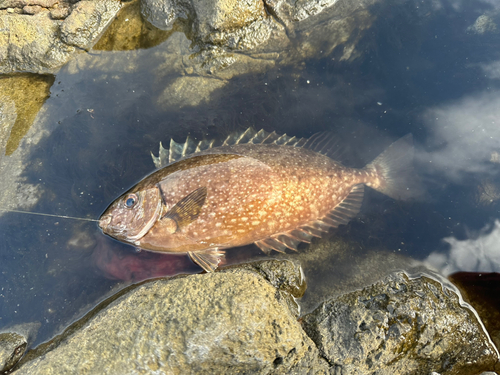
(131,201)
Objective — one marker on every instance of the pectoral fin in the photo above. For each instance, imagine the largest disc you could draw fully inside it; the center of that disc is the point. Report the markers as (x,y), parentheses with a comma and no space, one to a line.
(187,209)
(208,259)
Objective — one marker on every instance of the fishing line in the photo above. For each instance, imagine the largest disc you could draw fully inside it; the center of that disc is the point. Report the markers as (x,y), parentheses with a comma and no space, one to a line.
(38,213)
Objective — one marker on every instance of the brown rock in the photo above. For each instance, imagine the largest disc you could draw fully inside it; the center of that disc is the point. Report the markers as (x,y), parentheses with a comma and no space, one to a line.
(32,9)
(59,13)
(87,21)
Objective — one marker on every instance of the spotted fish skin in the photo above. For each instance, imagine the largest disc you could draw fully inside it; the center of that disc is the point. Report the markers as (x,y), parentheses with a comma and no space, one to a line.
(272,195)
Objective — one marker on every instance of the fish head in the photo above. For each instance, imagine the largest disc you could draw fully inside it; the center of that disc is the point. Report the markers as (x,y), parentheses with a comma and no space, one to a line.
(131,216)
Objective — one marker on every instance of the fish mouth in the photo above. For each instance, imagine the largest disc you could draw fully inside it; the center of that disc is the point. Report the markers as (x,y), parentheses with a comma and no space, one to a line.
(104,221)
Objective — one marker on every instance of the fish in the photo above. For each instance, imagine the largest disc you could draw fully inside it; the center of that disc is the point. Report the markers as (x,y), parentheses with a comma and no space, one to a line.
(275,191)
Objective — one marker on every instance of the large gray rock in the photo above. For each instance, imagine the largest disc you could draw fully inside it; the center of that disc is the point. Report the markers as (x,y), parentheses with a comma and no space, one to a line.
(207,324)
(401,325)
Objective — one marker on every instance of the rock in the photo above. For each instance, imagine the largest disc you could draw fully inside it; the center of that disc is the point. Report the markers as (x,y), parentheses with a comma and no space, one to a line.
(8,116)
(27,93)
(230,38)
(32,9)
(27,43)
(401,325)
(288,11)
(220,28)
(333,267)
(205,17)
(12,348)
(189,91)
(40,42)
(129,32)
(481,291)
(24,3)
(21,99)
(87,21)
(13,343)
(60,13)
(206,323)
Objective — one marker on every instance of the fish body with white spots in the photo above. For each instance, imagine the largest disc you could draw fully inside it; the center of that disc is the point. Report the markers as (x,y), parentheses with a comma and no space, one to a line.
(274,191)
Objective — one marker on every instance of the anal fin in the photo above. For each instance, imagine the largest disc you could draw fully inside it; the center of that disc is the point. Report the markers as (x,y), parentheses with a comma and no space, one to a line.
(208,259)
(347,209)
(279,243)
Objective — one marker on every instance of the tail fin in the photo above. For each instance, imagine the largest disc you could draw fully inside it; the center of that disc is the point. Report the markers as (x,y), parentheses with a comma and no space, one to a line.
(395,169)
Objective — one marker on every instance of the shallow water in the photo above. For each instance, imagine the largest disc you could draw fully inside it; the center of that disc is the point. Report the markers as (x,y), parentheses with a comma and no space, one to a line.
(424,74)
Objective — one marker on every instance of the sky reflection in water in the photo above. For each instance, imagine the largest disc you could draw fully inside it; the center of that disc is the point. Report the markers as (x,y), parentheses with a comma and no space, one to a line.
(409,82)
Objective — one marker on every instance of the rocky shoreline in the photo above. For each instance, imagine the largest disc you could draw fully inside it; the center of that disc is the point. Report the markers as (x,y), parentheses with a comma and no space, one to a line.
(245,319)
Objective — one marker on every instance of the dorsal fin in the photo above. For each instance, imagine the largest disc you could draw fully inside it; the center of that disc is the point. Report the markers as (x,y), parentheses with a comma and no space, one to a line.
(342,214)
(325,143)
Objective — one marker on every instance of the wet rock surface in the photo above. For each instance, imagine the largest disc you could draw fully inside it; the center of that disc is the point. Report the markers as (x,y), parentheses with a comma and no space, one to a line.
(14,342)
(243,319)
(401,325)
(481,290)
(227,33)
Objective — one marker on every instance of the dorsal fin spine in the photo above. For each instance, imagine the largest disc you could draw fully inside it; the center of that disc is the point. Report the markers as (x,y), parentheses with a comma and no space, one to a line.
(185,147)
(320,142)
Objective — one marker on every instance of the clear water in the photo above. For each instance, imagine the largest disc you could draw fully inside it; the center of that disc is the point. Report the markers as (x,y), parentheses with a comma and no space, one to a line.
(420,72)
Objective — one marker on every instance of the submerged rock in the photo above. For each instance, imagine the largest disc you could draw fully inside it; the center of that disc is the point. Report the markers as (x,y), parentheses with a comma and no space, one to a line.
(481,290)
(21,97)
(129,31)
(401,325)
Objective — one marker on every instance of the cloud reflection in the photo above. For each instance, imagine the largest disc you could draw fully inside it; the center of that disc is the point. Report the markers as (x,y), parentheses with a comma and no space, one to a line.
(463,136)
(480,253)
(491,70)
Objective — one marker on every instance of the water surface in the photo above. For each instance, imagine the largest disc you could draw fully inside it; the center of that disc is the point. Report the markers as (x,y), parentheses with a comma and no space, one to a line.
(425,73)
